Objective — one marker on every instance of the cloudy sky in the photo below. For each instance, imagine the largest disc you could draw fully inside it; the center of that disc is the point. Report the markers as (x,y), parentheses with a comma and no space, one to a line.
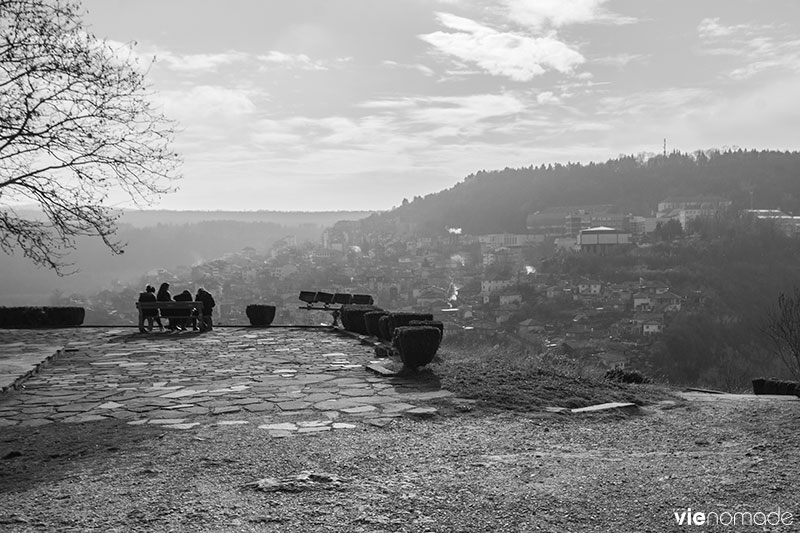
(357,104)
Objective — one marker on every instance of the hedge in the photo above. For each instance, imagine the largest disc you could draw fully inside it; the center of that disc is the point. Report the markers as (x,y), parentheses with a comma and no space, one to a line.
(41,317)
(776,386)
(352,316)
(371,319)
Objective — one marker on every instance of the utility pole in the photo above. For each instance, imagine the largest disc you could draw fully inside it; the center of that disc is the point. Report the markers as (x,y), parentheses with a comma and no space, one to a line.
(665,147)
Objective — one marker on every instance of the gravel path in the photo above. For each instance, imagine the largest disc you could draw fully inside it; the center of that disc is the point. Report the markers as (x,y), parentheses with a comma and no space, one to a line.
(465,472)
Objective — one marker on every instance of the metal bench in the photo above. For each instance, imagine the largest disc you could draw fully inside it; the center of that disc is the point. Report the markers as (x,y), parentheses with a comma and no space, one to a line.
(183,306)
(333,302)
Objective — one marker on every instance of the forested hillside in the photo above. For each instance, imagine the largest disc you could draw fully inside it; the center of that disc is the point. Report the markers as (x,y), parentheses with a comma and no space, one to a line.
(499,201)
(730,272)
(161,246)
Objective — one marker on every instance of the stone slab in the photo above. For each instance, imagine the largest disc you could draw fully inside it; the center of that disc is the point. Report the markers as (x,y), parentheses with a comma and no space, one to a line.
(19,363)
(380,369)
(625,407)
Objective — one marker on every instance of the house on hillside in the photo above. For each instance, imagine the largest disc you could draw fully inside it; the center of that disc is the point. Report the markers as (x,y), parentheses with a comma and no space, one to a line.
(489,286)
(652,287)
(652,327)
(647,323)
(589,287)
(431,297)
(687,208)
(601,239)
(510,299)
(667,301)
(642,302)
(789,224)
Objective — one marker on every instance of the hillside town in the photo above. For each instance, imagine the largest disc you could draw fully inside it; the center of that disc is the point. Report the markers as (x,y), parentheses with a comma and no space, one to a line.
(488,285)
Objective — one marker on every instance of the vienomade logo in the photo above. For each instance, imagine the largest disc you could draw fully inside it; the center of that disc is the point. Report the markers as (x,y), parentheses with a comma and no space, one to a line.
(691,517)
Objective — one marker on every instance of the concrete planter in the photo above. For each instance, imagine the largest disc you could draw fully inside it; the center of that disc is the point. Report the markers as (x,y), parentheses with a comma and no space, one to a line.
(260,315)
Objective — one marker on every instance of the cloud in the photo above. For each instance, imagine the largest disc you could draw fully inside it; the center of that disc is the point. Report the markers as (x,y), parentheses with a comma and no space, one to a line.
(547,97)
(298,61)
(558,13)
(654,103)
(619,60)
(463,111)
(518,57)
(202,102)
(710,28)
(437,110)
(198,62)
(758,47)
(427,71)
(208,63)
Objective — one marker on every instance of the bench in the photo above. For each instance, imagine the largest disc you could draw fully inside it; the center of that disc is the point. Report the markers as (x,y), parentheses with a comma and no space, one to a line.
(333,302)
(182,306)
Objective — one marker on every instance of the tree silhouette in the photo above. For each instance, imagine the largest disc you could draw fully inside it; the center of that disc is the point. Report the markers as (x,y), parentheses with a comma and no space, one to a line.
(76,128)
(783,327)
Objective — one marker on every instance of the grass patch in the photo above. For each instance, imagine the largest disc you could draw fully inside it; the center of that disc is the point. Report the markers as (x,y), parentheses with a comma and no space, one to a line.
(507,377)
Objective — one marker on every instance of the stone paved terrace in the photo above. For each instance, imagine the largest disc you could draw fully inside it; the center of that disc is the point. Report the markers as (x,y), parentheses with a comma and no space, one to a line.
(287,381)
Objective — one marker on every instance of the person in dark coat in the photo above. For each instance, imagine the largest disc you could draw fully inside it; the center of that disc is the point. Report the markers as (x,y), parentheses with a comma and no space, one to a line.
(149,295)
(165,296)
(182,316)
(208,308)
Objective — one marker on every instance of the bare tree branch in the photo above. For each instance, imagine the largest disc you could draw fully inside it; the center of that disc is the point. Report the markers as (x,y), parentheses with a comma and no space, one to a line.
(783,328)
(76,125)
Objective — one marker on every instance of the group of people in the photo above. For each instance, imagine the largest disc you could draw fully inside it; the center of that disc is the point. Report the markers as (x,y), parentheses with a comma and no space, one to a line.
(177,319)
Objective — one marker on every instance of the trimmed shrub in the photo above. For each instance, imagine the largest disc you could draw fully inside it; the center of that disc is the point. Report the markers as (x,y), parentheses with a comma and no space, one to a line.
(41,317)
(627,376)
(434,323)
(400,319)
(383,328)
(417,344)
(371,322)
(776,386)
(260,315)
(353,317)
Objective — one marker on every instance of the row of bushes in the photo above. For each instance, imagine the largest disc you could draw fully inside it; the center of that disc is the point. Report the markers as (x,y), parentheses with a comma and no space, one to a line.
(48,317)
(415,336)
(41,317)
(776,386)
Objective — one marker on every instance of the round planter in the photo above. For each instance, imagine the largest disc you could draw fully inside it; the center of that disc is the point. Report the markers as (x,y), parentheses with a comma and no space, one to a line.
(371,322)
(260,315)
(353,317)
(417,344)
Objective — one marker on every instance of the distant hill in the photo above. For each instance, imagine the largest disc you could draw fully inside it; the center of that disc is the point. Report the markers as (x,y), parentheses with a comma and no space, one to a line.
(142,218)
(500,200)
(160,239)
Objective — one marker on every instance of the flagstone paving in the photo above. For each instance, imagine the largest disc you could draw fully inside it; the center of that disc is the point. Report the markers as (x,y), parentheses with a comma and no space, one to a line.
(286,381)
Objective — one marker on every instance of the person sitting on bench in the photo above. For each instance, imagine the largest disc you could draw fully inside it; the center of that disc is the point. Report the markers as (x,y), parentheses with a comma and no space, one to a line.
(182,316)
(149,295)
(208,308)
(165,296)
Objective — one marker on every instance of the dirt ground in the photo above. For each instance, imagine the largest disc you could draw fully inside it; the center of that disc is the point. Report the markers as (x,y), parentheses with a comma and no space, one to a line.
(462,471)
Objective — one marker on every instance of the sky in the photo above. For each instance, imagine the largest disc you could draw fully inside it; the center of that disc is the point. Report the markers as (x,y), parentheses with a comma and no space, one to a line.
(357,104)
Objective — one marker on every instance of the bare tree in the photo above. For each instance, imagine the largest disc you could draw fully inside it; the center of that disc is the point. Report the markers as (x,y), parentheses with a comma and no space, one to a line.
(783,328)
(76,126)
